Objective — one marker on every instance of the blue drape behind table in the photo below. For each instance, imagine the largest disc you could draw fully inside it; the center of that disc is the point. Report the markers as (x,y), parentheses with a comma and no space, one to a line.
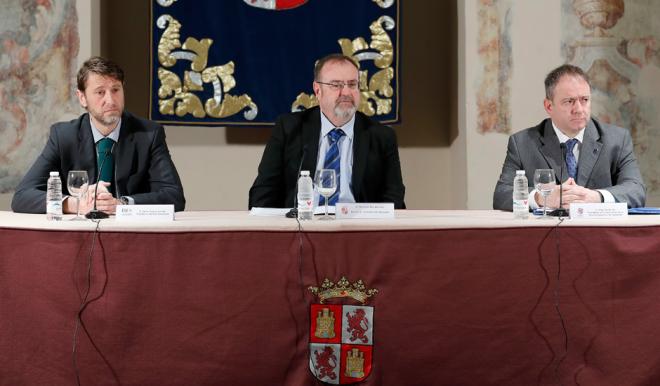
(244,62)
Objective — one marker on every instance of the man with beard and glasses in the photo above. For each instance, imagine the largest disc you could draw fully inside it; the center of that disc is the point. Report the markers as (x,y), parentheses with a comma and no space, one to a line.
(137,167)
(363,152)
(599,164)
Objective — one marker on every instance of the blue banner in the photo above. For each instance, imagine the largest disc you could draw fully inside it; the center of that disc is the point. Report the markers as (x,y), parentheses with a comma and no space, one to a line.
(244,62)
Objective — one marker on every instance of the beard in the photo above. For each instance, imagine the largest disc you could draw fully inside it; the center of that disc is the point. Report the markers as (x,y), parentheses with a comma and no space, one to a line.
(345,112)
(107,120)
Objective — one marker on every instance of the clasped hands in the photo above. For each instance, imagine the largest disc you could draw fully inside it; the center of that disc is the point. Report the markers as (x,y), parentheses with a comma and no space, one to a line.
(571,192)
(105,201)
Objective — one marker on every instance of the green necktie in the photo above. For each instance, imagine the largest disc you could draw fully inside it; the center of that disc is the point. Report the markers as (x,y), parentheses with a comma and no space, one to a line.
(104,152)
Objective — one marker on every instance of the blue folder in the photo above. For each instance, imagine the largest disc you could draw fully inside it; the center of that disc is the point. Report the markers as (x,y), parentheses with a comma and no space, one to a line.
(645,210)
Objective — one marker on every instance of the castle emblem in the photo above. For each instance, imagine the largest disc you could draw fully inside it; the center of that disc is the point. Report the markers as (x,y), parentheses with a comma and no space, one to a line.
(341,335)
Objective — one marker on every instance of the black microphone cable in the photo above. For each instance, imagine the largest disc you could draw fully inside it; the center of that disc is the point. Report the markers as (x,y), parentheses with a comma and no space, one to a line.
(557,302)
(85,301)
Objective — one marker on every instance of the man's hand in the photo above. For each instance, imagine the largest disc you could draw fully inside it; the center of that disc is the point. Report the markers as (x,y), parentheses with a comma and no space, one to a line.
(69,204)
(105,202)
(553,198)
(571,192)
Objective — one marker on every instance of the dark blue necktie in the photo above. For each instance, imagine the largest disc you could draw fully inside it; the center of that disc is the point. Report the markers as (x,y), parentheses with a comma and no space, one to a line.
(332,161)
(571,162)
(104,152)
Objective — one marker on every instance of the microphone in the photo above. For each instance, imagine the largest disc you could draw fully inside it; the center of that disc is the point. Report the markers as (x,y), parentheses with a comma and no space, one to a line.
(96,214)
(561,212)
(293,213)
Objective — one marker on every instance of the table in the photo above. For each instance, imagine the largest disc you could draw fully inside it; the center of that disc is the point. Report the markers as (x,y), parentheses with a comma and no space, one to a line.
(465,297)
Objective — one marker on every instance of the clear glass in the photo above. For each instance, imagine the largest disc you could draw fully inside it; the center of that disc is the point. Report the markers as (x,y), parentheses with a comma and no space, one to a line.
(77,182)
(325,182)
(544,182)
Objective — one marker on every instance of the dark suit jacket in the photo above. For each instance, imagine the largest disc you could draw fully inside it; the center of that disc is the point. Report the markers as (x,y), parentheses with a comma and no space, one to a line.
(376,167)
(606,162)
(143,167)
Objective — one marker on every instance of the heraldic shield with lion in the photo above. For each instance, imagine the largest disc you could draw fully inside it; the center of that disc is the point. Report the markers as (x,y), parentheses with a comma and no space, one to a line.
(341,336)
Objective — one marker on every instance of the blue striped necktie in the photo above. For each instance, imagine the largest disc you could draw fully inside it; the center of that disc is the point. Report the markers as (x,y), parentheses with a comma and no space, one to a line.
(332,161)
(571,162)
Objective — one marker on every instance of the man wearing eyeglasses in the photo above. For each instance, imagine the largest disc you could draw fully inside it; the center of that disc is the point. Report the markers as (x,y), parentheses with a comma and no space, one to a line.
(598,164)
(333,135)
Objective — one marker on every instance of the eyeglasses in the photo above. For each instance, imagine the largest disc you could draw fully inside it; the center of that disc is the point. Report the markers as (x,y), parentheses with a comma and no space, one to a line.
(337,86)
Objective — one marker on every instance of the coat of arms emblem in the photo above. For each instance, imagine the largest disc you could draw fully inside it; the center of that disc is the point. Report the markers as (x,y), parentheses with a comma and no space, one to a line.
(341,336)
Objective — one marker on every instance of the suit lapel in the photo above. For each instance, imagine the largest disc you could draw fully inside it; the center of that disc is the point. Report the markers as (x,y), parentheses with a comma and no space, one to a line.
(589,153)
(87,150)
(311,132)
(360,154)
(124,151)
(549,148)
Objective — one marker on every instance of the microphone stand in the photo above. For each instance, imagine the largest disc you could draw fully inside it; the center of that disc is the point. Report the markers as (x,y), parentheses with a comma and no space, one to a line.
(561,212)
(96,214)
(293,213)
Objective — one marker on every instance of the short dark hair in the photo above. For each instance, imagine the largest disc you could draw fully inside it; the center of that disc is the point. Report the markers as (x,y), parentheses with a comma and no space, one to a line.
(100,66)
(332,58)
(555,75)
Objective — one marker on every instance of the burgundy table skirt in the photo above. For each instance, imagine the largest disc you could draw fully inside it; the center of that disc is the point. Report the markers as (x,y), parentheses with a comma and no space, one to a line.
(455,306)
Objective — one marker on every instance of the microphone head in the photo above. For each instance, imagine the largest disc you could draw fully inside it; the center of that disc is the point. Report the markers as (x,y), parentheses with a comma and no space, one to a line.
(562,145)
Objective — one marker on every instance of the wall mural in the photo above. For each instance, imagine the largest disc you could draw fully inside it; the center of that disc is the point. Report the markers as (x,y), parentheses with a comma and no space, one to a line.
(616,43)
(38,49)
(494,44)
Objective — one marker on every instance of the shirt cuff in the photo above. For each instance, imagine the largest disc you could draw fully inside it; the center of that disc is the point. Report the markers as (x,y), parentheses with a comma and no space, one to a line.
(532,202)
(607,196)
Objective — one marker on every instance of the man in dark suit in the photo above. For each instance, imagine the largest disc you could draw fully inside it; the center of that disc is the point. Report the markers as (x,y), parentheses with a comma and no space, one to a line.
(137,169)
(599,165)
(367,155)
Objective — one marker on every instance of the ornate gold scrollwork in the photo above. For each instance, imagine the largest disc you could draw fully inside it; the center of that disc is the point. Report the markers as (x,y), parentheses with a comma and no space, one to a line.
(376,92)
(178,98)
(384,3)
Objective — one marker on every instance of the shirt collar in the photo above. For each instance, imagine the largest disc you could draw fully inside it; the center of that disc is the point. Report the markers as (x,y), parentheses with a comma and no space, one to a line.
(563,137)
(327,126)
(114,135)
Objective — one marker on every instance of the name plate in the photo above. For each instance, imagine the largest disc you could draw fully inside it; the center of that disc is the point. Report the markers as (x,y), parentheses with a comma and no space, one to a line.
(144,213)
(364,210)
(599,210)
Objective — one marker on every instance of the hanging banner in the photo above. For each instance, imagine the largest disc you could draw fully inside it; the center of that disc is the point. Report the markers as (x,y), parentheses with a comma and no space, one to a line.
(244,62)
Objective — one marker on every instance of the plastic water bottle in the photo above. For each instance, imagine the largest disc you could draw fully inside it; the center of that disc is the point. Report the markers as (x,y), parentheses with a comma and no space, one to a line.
(305,196)
(54,197)
(520,195)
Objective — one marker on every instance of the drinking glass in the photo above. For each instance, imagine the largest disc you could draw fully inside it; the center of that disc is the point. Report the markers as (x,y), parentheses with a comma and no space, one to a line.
(326,184)
(544,182)
(76,182)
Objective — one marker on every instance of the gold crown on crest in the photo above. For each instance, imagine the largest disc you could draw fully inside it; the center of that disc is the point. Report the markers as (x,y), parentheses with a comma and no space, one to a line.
(343,289)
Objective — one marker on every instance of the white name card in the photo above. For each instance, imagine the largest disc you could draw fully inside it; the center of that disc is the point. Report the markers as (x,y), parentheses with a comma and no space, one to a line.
(144,213)
(599,210)
(364,210)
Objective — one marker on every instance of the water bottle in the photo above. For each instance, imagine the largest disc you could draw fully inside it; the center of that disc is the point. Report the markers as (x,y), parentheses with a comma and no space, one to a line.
(54,197)
(520,195)
(305,196)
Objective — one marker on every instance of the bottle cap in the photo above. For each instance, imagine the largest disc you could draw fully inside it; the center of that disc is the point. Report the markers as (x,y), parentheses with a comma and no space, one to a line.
(304,173)
(54,174)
